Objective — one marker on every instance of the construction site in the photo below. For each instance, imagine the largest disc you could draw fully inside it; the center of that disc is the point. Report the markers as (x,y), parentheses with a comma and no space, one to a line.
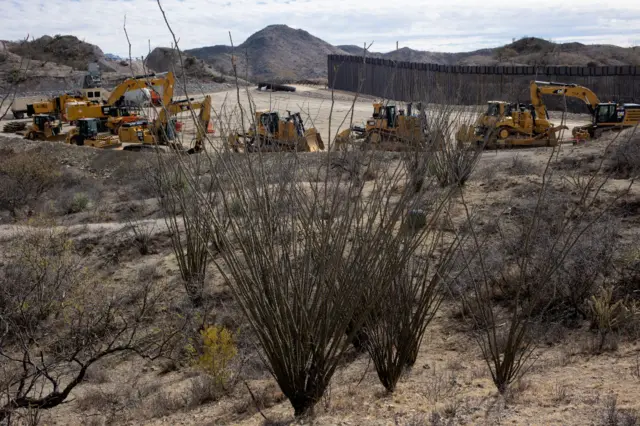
(403,244)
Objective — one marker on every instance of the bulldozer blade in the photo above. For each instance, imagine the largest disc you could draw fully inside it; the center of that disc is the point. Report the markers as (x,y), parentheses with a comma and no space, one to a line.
(313,140)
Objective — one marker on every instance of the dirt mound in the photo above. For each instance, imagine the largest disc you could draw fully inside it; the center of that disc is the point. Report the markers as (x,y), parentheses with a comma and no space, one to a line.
(163,59)
(275,53)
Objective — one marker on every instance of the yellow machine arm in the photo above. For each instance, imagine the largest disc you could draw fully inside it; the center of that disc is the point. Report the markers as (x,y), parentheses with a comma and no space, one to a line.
(538,88)
(167,81)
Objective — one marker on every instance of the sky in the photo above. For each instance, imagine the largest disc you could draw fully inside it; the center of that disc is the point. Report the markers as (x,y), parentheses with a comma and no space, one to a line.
(445,26)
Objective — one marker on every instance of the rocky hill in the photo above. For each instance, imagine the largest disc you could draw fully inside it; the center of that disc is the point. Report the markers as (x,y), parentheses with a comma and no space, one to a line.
(55,64)
(277,52)
(163,59)
(68,50)
(526,51)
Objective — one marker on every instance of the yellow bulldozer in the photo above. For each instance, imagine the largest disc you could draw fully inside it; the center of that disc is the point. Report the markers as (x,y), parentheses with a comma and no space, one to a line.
(271,133)
(388,129)
(86,133)
(45,127)
(510,124)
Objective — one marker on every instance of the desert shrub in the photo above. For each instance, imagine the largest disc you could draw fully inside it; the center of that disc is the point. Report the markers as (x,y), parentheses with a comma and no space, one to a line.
(180,194)
(521,166)
(453,165)
(404,312)
(78,203)
(587,265)
(609,315)
(40,269)
(308,266)
(511,284)
(24,177)
(62,318)
(16,76)
(625,156)
(204,389)
(142,232)
(611,415)
(218,348)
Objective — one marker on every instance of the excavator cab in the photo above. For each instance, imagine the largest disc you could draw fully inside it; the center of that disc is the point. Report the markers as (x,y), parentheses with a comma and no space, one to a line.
(606,113)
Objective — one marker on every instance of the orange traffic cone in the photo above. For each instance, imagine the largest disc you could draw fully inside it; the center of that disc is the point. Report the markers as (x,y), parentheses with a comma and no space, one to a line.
(210,127)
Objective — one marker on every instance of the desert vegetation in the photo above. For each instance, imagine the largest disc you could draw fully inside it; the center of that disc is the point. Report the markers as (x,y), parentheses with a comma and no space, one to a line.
(438,286)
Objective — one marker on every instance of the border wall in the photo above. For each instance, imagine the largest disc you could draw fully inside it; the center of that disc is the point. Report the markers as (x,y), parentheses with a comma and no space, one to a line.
(475,85)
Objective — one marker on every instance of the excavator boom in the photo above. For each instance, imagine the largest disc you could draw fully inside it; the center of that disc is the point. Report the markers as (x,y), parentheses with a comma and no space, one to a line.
(586,95)
(167,81)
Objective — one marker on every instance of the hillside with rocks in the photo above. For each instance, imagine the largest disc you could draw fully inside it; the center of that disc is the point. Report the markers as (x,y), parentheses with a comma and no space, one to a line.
(277,52)
(163,59)
(54,64)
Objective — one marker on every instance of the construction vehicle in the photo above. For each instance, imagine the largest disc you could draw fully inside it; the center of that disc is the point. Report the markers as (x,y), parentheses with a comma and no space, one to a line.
(272,133)
(605,116)
(161,132)
(54,106)
(508,124)
(45,127)
(111,113)
(19,106)
(388,129)
(86,133)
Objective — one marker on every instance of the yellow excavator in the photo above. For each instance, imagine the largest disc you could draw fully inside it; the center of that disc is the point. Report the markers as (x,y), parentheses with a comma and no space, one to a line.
(113,113)
(161,132)
(509,124)
(271,133)
(605,116)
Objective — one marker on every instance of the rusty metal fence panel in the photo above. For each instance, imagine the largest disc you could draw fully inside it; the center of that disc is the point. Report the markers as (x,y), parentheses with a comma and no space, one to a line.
(473,85)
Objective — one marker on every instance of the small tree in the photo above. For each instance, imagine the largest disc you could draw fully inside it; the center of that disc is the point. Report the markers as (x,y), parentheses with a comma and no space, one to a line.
(57,320)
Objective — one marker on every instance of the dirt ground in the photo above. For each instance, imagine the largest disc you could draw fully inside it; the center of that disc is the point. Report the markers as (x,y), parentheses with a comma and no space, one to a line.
(449,384)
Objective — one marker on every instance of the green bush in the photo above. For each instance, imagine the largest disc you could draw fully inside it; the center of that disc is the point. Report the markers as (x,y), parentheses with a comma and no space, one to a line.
(79,203)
